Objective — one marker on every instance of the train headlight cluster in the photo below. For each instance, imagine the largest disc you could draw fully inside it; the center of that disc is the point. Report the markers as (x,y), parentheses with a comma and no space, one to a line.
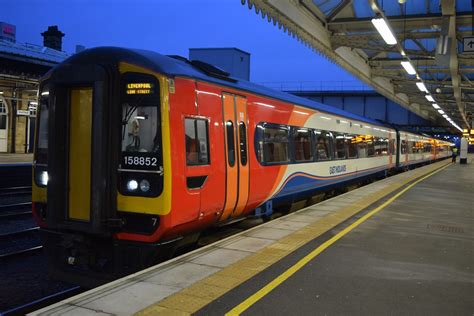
(132,185)
(41,175)
(43,178)
(144,185)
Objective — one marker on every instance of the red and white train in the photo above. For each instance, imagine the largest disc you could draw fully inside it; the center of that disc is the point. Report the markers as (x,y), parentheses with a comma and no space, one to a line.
(137,153)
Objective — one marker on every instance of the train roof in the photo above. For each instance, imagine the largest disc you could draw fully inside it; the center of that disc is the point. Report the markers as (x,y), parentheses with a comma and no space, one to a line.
(181,67)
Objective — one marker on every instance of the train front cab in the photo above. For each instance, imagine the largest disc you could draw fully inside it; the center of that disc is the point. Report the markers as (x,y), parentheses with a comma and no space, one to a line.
(108,174)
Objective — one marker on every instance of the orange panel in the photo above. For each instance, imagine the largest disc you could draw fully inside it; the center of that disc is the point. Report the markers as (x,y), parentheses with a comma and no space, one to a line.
(241,111)
(232,171)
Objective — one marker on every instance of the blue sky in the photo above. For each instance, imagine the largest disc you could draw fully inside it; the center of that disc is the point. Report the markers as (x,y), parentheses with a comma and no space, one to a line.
(171,27)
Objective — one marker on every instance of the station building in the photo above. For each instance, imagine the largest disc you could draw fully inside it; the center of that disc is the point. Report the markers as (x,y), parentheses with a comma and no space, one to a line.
(21,67)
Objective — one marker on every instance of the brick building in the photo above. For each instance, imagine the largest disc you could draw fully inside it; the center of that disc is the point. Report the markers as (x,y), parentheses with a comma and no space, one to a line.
(21,67)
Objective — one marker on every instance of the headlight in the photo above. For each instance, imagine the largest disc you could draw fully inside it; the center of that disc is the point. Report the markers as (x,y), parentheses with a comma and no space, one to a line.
(132,185)
(43,178)
(144,185)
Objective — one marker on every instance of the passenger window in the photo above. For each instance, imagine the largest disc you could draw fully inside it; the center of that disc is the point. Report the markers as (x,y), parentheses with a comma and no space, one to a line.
(197,143)
(427,147)
(352,141)
(404,146)
(275,144)
(340,145)
(303,147)
(323,146)
(370,146)
(229,125)
(392,147)
(361,146)
(243,143)
(381,146)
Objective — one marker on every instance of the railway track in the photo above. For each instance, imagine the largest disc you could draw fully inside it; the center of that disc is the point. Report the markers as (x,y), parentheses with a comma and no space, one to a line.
(20,242)
(42,302)
(15,191)
(15,211)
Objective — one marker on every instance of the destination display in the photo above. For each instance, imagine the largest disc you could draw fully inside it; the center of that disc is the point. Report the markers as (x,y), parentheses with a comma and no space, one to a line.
(140,88)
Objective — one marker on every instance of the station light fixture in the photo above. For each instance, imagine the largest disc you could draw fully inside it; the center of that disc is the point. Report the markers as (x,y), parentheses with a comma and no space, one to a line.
(408,67)
(421,86)
(429,98)
(441,111)
(436,106)
(384,30)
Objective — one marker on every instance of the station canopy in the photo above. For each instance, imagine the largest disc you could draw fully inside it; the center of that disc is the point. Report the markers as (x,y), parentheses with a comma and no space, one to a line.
(434,37)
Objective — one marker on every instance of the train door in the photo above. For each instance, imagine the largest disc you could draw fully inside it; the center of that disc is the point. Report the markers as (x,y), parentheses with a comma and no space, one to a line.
(3,126)
(236,146)
(212,186)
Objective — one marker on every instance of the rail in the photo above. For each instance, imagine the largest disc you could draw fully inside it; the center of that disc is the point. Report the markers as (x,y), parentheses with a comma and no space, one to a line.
(42,302)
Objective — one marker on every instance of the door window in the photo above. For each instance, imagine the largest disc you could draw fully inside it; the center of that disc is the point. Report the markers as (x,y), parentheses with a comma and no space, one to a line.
(243,143)
(229,125)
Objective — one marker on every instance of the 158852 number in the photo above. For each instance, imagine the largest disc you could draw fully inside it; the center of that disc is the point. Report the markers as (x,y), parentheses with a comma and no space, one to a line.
(140,161)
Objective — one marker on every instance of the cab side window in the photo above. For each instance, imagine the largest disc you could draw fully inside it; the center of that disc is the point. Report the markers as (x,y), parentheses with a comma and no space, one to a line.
(197,141)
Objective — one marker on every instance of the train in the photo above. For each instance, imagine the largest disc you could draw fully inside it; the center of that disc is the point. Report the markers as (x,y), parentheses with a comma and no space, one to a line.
(137,153)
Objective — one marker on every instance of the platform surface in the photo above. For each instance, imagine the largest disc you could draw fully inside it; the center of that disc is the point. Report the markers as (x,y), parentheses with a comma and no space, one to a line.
(15,158)
(415,256)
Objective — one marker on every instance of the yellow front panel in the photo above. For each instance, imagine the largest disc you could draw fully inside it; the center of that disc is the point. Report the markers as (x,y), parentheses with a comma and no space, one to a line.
(80,140)
(160,205)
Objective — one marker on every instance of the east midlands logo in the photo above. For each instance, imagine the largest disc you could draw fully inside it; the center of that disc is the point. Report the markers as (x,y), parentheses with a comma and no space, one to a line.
(337,169)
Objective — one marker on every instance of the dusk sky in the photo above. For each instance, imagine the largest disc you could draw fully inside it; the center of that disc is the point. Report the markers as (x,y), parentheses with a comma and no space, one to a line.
(172,27)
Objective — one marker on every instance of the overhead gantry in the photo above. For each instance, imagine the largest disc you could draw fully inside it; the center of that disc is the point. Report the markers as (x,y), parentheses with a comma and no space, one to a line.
(427,35)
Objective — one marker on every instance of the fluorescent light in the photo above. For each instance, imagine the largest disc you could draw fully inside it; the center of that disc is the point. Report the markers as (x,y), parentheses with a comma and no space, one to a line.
(429,98)
(1,92)
(382,26)
(408,67)
(436,106)
(421,86)
(45,93)
(445,116)
(403,53)
(441,111)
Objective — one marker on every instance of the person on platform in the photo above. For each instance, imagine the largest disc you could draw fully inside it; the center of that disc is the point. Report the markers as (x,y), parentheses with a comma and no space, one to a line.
(454,154)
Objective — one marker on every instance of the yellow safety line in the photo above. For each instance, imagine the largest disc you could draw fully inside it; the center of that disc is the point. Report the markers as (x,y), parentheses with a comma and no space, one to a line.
(300,264)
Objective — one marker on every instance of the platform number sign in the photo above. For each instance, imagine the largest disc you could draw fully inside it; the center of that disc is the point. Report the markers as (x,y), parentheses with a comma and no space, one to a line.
(468,44)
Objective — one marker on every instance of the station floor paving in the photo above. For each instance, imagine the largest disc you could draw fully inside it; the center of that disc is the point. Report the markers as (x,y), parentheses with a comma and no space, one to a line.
(402,246)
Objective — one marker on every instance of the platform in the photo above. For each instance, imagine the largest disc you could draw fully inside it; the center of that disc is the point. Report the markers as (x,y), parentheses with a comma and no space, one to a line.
(402,245)
(15,158)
